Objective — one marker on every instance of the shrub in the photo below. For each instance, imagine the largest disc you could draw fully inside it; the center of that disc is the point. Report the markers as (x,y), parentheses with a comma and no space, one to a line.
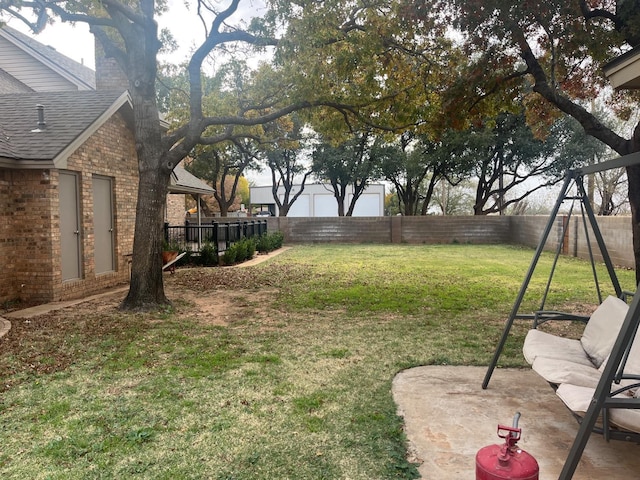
(171,246)
(240,251)
(208,255)
(278,239)
(229,256)
(251,248)
(268,242)
(187,259)
(262,243)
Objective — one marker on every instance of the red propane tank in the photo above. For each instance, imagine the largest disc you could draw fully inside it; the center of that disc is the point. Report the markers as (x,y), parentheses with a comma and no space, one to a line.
(507,461)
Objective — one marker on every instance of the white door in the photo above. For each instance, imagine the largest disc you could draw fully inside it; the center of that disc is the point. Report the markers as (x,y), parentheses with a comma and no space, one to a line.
(70,226)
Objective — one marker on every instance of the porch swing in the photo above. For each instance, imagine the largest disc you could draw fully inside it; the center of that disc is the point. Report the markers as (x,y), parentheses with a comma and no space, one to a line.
(603,390)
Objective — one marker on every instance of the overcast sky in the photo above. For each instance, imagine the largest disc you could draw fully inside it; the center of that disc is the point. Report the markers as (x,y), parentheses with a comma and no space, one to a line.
(76,42)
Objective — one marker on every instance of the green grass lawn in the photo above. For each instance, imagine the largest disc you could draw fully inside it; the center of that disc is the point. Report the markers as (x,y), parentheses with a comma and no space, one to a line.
(289,377)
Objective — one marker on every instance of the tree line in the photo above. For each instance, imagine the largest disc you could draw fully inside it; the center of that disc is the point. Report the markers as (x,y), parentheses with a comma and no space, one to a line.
(491,168)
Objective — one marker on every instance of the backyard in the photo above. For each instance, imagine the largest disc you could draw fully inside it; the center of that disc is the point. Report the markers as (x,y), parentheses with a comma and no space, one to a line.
(280,370)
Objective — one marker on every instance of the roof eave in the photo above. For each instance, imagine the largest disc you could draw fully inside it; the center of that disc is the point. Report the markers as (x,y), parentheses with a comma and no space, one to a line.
(77,81)
(623,72)
(26,164)
(194,190)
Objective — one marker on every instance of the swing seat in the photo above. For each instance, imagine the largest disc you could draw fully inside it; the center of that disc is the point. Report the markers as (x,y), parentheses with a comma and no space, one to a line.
(578,398)
(564,360)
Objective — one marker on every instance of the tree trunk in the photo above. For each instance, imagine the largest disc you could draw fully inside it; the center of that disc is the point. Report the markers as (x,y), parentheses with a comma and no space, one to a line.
(633,175)
(427,198)
(146,289)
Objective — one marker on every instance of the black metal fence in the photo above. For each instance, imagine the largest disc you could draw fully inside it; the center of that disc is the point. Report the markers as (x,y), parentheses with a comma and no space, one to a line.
(191,236)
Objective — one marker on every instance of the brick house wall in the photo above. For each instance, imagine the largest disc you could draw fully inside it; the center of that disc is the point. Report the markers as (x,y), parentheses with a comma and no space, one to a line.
(28,235)
(30,231)
(175,210)
(109,75)
(109,152)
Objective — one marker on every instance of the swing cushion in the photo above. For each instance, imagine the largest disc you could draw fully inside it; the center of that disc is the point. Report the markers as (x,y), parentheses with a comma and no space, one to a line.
(542,344)
(591,350)
(578,399)
(602,329)
(557,371)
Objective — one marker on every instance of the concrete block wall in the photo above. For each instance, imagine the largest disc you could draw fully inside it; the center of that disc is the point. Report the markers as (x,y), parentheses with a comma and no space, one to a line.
(527,230)
(431,229)
(332,229)
(617,235)
(520,230)
(467,229)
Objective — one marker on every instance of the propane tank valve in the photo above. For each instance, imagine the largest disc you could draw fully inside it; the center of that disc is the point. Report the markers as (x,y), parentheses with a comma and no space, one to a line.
(506,461)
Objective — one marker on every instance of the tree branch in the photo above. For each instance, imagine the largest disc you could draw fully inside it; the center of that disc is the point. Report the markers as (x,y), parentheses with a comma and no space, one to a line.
(541,86)
(588,13)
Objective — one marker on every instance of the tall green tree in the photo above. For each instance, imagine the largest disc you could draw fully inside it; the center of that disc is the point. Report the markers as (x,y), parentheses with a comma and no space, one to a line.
(348,168)
(223,166)
(415,165)
(509,163)
(286,162)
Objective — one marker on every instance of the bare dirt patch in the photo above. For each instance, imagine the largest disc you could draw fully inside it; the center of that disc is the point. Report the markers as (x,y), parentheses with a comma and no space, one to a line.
(52,340)
(217,307)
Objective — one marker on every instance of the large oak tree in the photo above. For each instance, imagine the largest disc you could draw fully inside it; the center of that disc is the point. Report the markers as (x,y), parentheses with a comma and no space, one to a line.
(346,56)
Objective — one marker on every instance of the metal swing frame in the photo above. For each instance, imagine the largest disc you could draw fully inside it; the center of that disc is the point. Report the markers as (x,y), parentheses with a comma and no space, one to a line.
(602,399)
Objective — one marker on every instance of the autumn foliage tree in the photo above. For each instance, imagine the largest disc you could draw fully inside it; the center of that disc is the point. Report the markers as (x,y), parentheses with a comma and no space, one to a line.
(554,52)
(415,165)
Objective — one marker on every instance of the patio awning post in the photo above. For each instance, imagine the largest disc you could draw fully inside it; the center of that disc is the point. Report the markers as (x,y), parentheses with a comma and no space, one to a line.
(198,200)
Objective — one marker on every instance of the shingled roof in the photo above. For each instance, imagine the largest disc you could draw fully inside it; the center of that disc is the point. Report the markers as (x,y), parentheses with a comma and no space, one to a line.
(82,76)
(184,182)
(70,117)
(10,84)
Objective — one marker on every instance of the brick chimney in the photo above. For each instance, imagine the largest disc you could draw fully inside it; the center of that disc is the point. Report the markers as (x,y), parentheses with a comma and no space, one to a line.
(109,75)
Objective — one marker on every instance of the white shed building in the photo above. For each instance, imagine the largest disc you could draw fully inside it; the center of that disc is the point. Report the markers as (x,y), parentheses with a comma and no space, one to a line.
(317,200)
